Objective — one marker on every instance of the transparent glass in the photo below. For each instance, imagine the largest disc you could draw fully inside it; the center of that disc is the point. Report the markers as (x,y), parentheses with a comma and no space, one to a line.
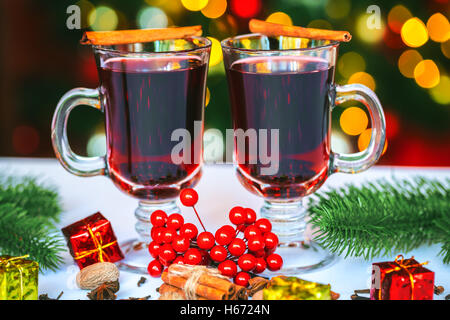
(147,92)
(285,87)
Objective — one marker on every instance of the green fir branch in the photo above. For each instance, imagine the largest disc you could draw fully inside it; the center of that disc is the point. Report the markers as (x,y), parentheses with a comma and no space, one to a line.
(381,218)
(28,211)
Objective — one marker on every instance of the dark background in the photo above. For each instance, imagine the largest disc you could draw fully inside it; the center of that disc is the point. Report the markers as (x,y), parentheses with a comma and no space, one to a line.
(41,59)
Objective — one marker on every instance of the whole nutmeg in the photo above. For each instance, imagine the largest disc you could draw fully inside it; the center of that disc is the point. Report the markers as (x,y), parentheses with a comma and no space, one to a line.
(96,274)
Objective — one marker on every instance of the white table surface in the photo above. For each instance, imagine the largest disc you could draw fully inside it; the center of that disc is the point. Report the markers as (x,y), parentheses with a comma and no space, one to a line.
(219,190)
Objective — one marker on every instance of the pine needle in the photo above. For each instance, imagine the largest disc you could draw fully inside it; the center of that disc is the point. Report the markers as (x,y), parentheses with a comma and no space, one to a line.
(383,218)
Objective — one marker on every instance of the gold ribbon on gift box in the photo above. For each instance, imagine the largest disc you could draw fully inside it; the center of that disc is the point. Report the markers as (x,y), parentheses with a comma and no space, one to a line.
(11,261)
(399,260)
(99,246)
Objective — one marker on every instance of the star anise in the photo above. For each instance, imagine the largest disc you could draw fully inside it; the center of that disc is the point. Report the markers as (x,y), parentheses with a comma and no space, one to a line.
(105,291)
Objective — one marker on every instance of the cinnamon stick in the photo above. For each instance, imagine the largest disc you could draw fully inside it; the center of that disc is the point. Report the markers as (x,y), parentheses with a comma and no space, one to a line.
(274,29)
(169,292)
(139,35)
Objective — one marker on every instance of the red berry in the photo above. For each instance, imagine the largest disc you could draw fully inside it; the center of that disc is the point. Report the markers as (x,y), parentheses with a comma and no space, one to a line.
(224,235)
(175,220)
(274,262)
(218,253)
(241,228)
(269,251)
(166,253)
(250,215)
(153,248)
(157,234)
(180,243)
(192,256)
(228,268)
(188,197)
(270,240)
(251,231)
(237,247)
(205,240)
(260,265)
(205,258)
(189,230)
(260,253)
(255,243)
(168,234)
(237,216)
(242,279)
(263,224)
(178,260)
(155,268)
(247,262)
(158,218)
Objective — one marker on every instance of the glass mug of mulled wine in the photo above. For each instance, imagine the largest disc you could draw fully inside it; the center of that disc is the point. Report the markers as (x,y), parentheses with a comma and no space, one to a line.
(285,87)
(147,92)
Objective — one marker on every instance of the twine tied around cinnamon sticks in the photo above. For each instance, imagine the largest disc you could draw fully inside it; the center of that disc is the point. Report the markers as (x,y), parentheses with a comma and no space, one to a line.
(199,283)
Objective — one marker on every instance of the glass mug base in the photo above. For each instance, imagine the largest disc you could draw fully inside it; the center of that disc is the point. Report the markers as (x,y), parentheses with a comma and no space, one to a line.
(299,254)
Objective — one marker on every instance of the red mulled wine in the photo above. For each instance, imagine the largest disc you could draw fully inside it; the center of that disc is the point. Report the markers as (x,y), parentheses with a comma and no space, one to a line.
(145,100)
(289,93)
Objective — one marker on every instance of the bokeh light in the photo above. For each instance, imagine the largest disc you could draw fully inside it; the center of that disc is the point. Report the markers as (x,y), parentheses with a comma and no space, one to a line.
(353,121)
(208,97)
(441,92)
(103,19)
(215,8)
(246,8)
(96,146)
(350,63)
(364,140)
(414,33)
(445,48)
(397,17)
(320,24)
(216,52)
(366,34)
(363,78)
(426,74)
(338,9)
(438,27)
(340,142)
(151,17)
(194,5)
(25,139)
(281,18)
(408,62)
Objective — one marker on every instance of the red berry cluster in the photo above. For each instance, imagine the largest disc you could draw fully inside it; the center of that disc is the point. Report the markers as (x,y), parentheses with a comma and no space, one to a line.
(174,241)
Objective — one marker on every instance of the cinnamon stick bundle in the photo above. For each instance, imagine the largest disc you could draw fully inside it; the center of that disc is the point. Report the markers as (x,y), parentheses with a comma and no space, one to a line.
(139,35)
(274,29)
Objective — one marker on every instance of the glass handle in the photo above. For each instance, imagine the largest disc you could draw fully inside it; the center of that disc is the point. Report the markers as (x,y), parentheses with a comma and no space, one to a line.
(76,164)
(360,161)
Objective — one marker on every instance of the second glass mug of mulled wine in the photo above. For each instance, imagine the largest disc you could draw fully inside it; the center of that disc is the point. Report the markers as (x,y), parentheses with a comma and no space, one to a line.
(147,91)
(286,86)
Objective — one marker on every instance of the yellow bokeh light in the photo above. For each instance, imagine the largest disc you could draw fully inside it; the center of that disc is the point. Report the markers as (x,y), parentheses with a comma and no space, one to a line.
(364,140)
(353,121)
(320,24)
(103,19)
(194,5)
(408,62)
(363,78)
(281,18)
(215,9)
(216,52)
(366,34)
(350,63)
(338,9)
(441,93)
(426,74)
(208,97)
(445,48)
(397,17)
(438,27)
(414,33)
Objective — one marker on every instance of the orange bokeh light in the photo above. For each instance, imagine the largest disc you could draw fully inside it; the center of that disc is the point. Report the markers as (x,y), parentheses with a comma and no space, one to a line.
(353,121)
(427,74)
(364,140)
(414,33)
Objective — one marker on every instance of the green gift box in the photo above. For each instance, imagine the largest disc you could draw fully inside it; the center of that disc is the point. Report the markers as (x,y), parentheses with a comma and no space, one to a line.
(18,278)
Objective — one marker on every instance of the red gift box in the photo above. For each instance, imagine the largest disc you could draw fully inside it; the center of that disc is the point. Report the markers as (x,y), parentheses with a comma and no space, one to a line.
(403,279)
(92,240)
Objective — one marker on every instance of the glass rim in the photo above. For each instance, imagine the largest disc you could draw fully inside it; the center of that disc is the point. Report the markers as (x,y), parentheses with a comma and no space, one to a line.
(224,44)
(107,48)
